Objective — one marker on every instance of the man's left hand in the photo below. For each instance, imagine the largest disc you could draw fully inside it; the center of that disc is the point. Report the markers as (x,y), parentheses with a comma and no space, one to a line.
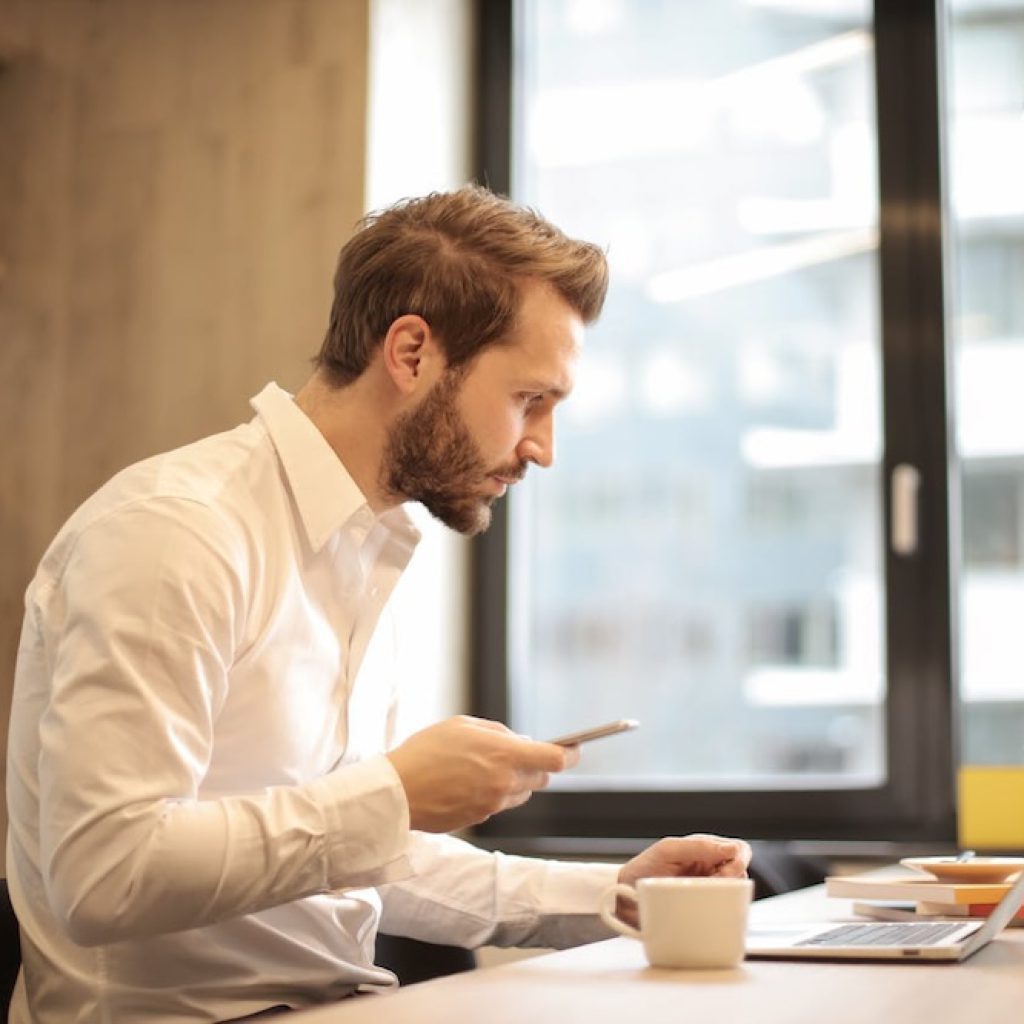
(695,855)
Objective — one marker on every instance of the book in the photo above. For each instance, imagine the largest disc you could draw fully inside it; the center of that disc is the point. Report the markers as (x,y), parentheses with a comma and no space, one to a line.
(906,910)
(868,887)
(886,910)
(928,909)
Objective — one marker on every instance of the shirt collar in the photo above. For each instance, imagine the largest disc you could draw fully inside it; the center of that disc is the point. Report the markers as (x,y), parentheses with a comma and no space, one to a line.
(325,494)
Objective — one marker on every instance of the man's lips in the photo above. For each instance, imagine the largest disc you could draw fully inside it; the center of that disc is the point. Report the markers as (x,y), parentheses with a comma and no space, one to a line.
(508,477)
(504,481)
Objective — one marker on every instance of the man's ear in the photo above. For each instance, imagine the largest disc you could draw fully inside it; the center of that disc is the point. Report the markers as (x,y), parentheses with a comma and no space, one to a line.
(412,355)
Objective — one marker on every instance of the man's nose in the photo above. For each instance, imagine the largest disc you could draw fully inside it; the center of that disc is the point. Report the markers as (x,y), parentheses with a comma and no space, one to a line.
(538,444)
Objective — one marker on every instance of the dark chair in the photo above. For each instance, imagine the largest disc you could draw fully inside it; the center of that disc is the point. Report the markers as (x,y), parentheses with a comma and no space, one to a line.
(10,949)
(776,869)
(413,960)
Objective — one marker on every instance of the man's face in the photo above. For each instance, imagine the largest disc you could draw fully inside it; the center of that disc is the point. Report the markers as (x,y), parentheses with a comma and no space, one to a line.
(476,431)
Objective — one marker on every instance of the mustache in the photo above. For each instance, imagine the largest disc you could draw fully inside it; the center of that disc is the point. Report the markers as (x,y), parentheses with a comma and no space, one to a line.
(513,473)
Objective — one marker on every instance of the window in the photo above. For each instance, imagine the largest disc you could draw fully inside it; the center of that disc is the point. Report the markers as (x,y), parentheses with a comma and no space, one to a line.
(714,552)
(986,161)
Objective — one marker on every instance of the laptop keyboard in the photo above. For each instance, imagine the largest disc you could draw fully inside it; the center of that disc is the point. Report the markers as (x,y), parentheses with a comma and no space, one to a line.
(927,933)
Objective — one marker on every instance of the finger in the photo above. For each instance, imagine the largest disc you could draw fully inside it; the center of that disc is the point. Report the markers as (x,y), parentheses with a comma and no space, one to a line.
(730,869)
(730,862)
(626,910)
(516,799)
(735,866)
(739,855)
(487,723)
(746,852)
(700,854)
(533,755)
(533,780)
(552,757)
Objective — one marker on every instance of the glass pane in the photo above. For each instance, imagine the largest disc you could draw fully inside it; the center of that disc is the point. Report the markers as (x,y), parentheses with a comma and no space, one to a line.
(705,556)
(985,104)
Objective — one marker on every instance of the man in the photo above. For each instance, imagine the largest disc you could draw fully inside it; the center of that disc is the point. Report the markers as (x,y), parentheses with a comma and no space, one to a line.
(208,817)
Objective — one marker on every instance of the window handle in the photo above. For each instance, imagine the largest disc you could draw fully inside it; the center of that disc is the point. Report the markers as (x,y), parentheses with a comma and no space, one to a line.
(906,483)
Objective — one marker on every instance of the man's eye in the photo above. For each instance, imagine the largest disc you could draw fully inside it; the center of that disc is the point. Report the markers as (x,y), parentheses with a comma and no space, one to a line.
(530,397)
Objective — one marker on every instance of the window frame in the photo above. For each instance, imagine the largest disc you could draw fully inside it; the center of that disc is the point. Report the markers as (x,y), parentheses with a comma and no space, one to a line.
(917,803)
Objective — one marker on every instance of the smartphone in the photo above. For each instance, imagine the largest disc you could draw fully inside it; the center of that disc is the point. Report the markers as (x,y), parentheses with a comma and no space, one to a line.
(573,739)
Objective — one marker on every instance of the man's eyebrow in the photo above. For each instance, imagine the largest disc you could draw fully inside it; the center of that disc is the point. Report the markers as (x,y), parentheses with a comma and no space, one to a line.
(545,387)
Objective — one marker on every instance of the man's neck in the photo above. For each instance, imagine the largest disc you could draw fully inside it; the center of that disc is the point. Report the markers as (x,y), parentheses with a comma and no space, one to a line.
(352,423)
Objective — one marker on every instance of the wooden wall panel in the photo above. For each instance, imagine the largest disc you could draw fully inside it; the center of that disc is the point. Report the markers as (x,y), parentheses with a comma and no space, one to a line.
(176,177)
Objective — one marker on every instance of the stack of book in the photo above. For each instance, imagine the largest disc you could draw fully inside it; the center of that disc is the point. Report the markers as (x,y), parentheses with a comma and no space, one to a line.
(900,898)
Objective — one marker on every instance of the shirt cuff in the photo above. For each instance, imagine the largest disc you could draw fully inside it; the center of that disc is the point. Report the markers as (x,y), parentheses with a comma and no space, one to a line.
(573,888)
(366,814)
(571,898)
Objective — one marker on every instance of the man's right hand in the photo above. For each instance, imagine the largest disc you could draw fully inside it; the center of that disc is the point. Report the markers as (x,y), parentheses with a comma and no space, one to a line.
(461,771)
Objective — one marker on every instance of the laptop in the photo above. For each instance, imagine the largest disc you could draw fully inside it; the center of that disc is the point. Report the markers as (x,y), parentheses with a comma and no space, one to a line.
(905,941)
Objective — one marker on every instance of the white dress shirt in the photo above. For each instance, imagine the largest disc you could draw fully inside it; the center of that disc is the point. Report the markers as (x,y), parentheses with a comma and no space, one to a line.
(202,820)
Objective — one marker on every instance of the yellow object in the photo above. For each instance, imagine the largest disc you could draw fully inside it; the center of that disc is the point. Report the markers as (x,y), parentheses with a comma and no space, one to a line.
(990,805)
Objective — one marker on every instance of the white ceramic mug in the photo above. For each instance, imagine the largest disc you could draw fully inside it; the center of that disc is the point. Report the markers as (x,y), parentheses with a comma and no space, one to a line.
(686,922)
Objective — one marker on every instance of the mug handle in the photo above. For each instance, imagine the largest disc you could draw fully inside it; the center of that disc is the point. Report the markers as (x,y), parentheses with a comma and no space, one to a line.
(607,909)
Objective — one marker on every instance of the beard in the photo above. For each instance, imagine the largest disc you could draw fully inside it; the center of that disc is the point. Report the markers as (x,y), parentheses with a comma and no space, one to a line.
(431,457)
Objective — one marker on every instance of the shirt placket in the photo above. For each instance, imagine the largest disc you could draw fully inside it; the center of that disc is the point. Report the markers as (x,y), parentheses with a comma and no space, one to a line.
(374,570)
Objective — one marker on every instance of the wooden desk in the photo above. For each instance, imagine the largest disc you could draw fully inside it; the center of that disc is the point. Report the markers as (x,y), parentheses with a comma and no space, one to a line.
(610,983)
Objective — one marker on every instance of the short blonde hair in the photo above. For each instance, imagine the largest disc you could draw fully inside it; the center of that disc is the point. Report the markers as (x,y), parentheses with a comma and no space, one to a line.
(457,259)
